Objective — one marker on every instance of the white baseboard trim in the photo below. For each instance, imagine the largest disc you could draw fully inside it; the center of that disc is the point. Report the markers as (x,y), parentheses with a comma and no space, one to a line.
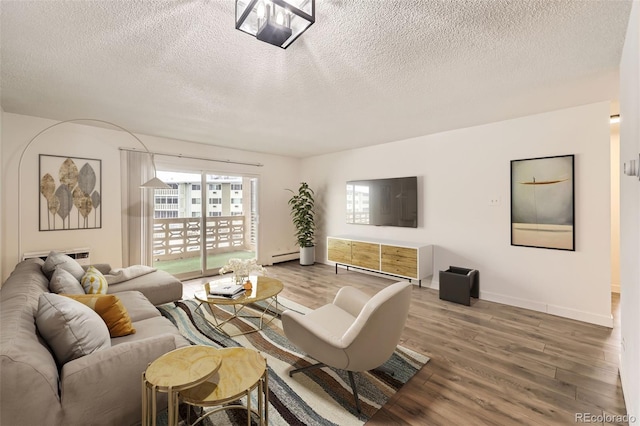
(603,320)
(284,257)
(513,301)
(434,284)
(561,311)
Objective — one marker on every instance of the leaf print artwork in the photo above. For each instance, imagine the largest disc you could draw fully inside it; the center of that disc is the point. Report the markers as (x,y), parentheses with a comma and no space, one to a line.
(66,203)
(95,200)
(74,196)
(69,174)
(47,189)
(83,203)
(54,206)
(87,179)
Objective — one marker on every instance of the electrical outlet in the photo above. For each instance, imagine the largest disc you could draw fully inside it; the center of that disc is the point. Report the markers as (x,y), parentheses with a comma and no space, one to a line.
(494,201)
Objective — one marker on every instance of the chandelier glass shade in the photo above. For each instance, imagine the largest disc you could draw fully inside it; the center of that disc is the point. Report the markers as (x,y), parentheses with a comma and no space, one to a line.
(277,22)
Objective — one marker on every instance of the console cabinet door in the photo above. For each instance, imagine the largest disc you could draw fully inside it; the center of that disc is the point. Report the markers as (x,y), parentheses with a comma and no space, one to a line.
(339,251)
(365,255)
(400,261)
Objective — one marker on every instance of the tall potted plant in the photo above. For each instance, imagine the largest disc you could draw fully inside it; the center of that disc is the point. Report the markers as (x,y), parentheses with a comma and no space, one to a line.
(301,204)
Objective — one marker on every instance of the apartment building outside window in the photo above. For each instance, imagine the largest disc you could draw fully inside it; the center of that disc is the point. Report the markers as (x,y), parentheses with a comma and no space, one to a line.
(184,199)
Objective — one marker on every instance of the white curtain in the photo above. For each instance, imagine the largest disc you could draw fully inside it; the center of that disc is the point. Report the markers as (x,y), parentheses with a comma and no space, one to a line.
(137,209)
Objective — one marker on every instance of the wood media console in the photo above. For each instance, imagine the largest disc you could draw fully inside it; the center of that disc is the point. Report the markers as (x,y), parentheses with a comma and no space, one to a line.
(396,258)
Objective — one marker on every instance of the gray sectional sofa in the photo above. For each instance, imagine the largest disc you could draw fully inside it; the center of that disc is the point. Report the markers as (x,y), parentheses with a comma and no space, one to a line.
(99,388)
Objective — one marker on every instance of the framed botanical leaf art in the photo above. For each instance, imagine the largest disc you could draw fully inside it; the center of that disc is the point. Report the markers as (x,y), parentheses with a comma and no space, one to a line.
(70,193)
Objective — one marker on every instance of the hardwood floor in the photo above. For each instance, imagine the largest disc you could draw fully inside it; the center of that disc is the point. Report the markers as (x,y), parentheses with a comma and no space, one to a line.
(490,363)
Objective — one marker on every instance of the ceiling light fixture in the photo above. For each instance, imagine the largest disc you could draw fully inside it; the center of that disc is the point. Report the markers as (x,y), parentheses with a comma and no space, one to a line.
(277,22)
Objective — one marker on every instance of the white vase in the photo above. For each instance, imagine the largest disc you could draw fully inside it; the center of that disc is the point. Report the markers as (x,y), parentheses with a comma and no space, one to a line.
(307,255)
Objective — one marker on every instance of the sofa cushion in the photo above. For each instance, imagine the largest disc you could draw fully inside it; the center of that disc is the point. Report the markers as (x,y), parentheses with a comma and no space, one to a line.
(94,282)
(70,328)
(29,374)
(159,287)
(62,282)
(137,305)
(110,309)
(60,260)
(27,279)
(151,327)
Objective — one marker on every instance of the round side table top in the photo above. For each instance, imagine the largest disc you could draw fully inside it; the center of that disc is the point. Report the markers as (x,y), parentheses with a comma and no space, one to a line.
(240,370)
(184,367)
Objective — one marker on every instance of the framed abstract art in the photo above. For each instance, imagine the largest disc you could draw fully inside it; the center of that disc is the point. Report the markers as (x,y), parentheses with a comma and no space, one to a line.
(543,202)
(70,193)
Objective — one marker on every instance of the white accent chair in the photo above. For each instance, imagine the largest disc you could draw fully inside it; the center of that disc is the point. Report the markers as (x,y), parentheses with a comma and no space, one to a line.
(356,332)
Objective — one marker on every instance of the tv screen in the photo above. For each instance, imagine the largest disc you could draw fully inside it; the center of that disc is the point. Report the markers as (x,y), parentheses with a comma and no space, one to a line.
(383,202)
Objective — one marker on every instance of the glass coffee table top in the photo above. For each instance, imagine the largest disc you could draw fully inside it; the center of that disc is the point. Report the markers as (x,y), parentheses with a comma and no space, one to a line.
(263,289)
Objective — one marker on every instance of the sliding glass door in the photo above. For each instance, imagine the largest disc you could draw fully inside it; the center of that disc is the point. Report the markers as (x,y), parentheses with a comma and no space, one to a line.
(202,221)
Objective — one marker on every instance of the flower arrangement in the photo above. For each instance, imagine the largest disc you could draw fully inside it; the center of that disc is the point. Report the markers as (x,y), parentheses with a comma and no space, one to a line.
(242,268)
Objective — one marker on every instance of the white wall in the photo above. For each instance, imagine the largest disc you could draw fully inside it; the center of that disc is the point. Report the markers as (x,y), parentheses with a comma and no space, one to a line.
(459,172)
(71,139)
(630,215)
(1,198)
(615,208)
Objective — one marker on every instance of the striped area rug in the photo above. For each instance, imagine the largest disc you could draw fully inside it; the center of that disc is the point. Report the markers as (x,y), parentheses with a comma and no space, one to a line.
(317,397)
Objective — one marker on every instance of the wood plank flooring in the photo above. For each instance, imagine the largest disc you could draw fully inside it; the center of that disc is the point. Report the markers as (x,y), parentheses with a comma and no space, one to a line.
(491,364)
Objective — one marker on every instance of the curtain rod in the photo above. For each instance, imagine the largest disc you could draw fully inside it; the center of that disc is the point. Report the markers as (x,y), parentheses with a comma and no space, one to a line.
(193,158)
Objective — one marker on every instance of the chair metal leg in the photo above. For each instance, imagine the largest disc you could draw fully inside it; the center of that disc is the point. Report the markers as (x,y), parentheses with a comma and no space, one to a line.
(308,367)
(355,392)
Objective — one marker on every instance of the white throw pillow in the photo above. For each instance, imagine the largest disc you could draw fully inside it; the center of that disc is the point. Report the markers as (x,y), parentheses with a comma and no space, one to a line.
(62,282)
(71,329)
(57,260)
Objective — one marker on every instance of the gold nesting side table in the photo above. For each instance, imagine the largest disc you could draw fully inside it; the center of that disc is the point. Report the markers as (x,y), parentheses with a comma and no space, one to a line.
(173,372)
(241,371)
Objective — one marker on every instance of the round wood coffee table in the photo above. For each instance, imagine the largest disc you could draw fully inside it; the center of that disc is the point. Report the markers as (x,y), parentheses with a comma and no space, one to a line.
(241,371)
(264,288)
(175,371)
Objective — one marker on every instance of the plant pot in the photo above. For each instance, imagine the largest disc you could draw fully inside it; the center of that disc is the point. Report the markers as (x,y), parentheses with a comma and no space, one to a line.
(307,255)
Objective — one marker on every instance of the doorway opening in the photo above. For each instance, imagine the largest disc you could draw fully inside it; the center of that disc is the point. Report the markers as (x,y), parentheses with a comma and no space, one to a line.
(202,221)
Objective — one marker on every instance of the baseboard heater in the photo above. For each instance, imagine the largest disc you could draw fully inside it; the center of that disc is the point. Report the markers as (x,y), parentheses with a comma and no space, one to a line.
(82,255)
(285,257)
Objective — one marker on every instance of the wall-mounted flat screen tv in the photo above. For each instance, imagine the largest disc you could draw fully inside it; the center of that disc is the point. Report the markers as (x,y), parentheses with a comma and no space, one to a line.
(383,202)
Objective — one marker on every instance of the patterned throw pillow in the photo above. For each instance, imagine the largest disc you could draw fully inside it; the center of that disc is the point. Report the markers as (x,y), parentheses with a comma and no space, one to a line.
(110,309)
(71,329)
(94,282)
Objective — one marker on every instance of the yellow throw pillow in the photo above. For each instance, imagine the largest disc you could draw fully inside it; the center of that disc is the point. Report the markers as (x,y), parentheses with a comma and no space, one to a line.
(93,282)
(110,309)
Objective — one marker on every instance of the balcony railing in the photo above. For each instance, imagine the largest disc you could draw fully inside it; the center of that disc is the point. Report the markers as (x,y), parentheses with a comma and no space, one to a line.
(176,238)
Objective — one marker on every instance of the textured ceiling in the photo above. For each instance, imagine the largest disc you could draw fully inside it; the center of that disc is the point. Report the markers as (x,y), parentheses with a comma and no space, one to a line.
(367,72)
